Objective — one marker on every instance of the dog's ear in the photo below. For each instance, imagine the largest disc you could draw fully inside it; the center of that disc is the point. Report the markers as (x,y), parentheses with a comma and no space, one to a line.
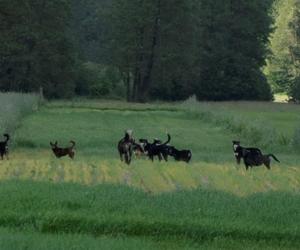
(55,143)
(51,144)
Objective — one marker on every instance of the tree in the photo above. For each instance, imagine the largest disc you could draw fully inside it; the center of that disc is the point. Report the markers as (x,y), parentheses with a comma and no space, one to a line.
(294,49)
(233,42)
(151,45)
(35,51)
(283,66)
(279,71)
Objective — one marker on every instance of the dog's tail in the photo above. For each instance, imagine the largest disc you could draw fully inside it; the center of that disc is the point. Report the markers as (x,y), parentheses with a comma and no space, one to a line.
(274,157)
(7,137)
(73,144)
(169,139)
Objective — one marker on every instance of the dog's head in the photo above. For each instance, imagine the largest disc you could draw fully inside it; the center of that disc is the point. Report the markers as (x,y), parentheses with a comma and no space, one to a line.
(53,145)
(237,149)
(235,144)
(129,135)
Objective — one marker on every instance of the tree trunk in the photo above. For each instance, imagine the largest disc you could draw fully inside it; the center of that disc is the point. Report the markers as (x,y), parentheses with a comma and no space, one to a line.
(127,84)
(138,66)
(146,80)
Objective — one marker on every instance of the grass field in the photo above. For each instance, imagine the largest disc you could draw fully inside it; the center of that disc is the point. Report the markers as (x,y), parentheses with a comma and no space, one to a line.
(98,202)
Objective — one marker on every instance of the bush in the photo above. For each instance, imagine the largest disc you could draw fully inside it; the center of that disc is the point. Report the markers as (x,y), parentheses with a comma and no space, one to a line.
(96,80)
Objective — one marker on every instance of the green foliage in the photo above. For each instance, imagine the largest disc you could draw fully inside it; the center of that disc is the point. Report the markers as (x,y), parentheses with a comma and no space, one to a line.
(279,70)
(98,81)
(211,48)
(35,51)
(294,26)
(157,50)
(233,45)
(283,67)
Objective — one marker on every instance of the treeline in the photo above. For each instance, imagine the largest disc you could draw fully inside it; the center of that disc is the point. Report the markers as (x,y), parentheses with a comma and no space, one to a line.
(142,50)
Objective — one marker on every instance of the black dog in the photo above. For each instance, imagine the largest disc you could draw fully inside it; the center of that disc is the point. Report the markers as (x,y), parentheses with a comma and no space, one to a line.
(60,152)
(156,148)
(125,146)
(237,144)
(252,156)
(180,155)
(4,146)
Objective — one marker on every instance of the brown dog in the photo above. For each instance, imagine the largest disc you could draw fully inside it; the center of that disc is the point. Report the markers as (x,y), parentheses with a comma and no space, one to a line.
(60,152)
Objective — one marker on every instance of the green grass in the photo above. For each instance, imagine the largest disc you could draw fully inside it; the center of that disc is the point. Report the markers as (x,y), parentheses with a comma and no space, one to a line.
(96,200)
(97,132)
(198,216)
(11,239)
(260,123)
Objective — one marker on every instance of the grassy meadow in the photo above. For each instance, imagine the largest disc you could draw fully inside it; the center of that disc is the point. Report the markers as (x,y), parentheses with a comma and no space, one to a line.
(97,202)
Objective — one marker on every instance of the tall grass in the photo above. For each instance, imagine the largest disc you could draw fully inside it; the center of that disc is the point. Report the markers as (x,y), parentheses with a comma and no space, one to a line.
(200,215)
(13,107)
(252,131)
(296,139)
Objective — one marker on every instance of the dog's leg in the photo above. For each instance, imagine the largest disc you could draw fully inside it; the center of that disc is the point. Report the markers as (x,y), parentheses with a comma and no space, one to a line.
(165,157)
(71,155)
(127,158)
(151,157)
(267,163)
(159,157)
(121,156)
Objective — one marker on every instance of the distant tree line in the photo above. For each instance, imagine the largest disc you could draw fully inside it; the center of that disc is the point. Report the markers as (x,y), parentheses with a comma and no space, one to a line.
(143,50)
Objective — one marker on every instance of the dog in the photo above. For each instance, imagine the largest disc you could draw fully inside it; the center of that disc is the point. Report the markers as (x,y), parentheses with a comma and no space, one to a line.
(125,146)
(60,152)
(180,155)
(236,144)
(138,150)
(252,156)
(157,148)
(4,146)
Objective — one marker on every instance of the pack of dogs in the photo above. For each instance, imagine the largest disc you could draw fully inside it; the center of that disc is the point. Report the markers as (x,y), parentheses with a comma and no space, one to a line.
(129,147)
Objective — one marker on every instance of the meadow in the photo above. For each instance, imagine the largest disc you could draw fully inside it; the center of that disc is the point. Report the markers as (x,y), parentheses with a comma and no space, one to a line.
(95,201)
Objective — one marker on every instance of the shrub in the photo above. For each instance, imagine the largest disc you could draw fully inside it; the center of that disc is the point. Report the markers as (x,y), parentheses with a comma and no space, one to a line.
(100,81)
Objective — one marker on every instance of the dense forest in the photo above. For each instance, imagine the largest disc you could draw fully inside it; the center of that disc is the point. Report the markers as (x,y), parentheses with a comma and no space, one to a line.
(142,50)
